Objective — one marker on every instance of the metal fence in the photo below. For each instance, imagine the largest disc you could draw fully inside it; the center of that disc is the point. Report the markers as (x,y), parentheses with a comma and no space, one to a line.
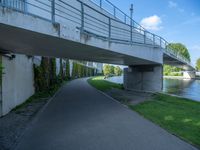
(116,27)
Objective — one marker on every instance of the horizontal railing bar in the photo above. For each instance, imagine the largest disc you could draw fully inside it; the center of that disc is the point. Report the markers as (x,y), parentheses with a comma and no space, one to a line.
(120,27)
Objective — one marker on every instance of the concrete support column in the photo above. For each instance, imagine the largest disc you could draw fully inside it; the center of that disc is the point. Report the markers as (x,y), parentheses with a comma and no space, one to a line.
(189,74)
(144,78)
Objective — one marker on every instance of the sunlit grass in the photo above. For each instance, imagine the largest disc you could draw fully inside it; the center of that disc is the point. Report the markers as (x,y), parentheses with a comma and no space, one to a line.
(103,85)
(178,115)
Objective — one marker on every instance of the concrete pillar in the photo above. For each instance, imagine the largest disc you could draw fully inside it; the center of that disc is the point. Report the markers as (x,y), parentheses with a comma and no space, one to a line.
(144,78)
(1,101)
(189,75)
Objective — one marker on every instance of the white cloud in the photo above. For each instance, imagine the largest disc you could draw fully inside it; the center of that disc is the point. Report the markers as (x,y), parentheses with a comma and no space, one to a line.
(152,23)
(172,4)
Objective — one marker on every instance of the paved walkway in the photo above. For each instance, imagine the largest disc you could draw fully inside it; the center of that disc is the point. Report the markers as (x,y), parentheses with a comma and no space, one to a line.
(81,118)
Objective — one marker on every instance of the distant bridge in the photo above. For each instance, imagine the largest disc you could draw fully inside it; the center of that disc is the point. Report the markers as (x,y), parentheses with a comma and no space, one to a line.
(92,30)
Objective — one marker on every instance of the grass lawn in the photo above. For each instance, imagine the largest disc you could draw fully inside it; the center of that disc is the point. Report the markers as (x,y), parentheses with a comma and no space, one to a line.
(177,115)
(103,85)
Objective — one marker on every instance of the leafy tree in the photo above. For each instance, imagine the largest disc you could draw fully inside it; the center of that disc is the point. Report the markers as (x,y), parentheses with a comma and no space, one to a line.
(169,69)
(118,71)
(180,49)
(106,70)
(112,70)
(198,64)
(67,69)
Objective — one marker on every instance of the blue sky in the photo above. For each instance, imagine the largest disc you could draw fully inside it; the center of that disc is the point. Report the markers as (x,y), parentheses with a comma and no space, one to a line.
(174,20)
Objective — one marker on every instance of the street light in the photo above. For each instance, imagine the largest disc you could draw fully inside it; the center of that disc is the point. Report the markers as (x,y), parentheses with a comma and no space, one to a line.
(131,21)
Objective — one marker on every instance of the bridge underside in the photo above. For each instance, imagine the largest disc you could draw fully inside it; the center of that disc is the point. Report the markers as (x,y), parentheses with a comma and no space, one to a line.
(25,34)
(17,40)
(168,60)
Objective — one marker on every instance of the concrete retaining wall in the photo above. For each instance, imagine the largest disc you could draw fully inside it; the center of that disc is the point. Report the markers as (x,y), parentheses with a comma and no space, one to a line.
(17,81)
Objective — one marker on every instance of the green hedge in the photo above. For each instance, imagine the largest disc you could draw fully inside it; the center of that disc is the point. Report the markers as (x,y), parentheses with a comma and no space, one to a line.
(173,73)
(67,70)
(45,74)
(79,71)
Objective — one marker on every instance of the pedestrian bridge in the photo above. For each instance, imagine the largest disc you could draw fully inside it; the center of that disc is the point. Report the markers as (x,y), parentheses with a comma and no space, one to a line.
(91,30)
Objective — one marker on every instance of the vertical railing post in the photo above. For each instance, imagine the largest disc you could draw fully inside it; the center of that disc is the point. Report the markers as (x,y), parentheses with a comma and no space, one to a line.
(109,30)
(125,19)
(154,41)
(82,17)
(160,42)
(131,26)
(114,12)
(131,34)
(100,3)
(3,3)
(53,10)
(145,37)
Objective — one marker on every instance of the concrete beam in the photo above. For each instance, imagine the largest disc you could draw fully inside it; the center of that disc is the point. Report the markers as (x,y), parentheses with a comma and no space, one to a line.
(31,35)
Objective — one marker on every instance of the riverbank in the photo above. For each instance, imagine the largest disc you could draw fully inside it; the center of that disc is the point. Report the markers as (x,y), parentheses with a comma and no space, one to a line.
(180,78)
(179,116)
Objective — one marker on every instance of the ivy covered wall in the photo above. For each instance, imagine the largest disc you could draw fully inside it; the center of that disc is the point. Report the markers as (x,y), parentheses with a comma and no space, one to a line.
(46,77)
(80,70)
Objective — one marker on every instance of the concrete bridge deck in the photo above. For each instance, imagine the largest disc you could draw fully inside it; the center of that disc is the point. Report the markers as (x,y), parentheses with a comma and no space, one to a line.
(66,28)
(80,29)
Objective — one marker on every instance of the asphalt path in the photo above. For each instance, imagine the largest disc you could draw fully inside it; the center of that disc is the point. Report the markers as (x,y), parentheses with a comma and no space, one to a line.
(80,117)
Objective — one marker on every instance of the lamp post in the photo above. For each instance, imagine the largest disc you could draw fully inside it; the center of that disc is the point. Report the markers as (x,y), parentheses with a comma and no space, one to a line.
(131,21)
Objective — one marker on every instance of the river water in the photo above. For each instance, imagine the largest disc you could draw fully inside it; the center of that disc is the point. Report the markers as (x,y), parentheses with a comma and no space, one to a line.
(181,87)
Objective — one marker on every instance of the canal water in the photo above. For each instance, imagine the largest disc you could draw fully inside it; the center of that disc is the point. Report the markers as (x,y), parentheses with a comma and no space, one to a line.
(181,87)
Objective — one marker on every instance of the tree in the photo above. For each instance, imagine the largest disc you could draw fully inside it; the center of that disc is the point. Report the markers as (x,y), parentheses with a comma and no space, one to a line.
(112,70)
(67,69)
(118,71)
(106,70)
(180,49)
(198,64)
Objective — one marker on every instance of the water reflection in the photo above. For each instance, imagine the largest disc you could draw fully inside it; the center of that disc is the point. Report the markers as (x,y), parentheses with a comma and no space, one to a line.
(185,88)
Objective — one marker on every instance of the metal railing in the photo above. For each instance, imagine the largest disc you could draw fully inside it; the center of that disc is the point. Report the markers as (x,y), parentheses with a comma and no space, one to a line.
(114,27)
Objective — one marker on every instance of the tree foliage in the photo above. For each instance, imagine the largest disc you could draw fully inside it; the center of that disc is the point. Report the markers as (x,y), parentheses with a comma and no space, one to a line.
(198,64)
(67,69)
(180,49)
(80,70)
(169,70)
(111,70)
(118,71)
(106,70)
